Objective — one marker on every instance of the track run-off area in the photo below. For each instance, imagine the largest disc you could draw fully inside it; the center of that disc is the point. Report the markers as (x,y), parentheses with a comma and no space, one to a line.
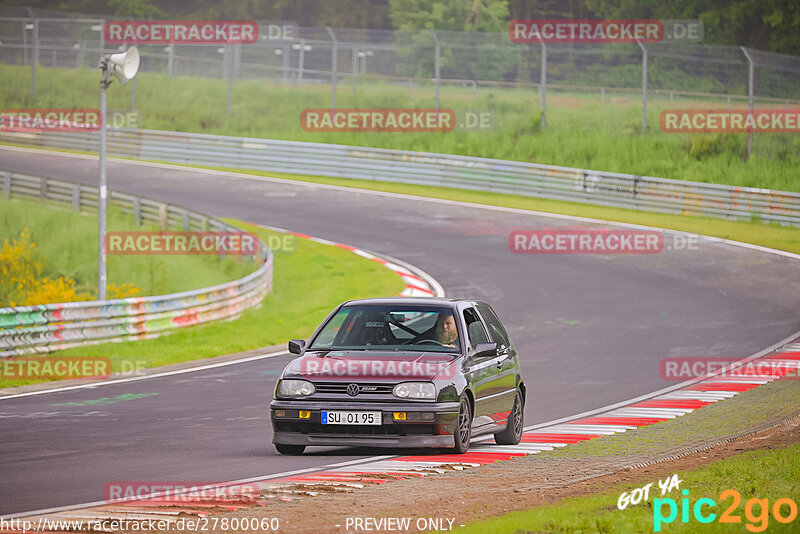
(591,329)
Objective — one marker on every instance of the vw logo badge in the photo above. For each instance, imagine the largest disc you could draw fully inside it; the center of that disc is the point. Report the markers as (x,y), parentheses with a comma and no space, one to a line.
(352,390)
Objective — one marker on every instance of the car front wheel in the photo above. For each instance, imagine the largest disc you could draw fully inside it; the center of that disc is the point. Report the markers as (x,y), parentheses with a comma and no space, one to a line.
(513,432)
(463,432)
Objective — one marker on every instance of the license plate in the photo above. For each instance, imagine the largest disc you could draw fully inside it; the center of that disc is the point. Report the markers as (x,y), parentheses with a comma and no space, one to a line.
(351,418)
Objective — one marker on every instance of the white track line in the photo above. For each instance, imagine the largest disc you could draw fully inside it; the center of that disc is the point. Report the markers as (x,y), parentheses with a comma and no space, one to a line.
(147,377)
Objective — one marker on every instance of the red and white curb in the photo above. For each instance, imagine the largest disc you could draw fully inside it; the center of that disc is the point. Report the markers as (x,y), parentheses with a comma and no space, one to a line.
(418,282)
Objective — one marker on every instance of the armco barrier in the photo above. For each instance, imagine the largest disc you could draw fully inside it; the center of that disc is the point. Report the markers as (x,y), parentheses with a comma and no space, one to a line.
(44,328)
(463,172)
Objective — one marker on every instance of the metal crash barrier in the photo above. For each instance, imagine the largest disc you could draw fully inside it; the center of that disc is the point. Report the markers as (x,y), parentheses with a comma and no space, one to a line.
(49,327)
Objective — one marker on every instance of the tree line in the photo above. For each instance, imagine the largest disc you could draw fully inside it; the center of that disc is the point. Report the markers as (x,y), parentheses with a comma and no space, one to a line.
(772,25)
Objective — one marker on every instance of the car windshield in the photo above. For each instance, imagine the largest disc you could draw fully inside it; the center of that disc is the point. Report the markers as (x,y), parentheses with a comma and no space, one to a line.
(383,327)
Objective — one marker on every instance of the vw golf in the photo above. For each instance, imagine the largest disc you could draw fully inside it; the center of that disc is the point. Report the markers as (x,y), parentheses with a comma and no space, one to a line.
(401,372)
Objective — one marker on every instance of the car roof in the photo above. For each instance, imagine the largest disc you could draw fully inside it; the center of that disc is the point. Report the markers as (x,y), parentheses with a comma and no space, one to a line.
(417,301)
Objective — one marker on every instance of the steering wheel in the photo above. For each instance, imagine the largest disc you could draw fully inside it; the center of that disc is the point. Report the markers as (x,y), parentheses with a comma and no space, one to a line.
(423,341)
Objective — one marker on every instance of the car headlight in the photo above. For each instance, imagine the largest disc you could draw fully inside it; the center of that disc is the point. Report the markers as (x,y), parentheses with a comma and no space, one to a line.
(415,390)
(295,388)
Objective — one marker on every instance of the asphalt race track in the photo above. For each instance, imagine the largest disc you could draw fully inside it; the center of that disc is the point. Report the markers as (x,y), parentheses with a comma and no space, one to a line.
(591,330)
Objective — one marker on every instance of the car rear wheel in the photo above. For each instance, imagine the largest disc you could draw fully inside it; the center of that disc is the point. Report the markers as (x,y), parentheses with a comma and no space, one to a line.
(463,432)
(513,432)
(290,449)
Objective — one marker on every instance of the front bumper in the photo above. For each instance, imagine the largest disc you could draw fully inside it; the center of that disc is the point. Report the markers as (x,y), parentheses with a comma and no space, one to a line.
(428,424)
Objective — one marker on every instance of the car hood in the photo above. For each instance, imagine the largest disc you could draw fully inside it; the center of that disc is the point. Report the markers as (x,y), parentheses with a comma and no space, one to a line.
(375,366)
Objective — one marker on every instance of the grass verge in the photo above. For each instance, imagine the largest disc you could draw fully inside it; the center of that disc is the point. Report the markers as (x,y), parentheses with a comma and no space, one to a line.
(66,245)
(310,279)
(583,129)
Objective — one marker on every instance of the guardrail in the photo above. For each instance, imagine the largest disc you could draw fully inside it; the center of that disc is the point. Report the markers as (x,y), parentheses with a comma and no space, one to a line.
(462,172)
(48,327)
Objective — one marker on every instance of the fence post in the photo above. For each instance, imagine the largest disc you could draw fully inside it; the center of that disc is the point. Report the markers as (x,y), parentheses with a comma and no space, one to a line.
(35,55)
(285,51)
(355,68)
(133,94)
(7,184)
(543,84)
(102,36)
(171,59)
(436,64)
(333,66)
(76,198)
(301,60)
(644,86)
(750,97)
(237,59)
(25,42)
(185,221)
(42,190)
(162,217)
(137,210)
(229,73)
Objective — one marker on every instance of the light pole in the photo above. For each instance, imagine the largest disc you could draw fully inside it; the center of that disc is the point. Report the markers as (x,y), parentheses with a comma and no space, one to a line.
(122,67)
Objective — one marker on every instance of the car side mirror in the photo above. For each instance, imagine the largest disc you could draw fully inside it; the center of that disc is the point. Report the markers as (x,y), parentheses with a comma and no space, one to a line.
(486,349)
(296,346)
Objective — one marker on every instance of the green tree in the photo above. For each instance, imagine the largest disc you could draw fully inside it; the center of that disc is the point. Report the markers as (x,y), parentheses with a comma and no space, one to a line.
(486,54)
(763,24)
(458,15)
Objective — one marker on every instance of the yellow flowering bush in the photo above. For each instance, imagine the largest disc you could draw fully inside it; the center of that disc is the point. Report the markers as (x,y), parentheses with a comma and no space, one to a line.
(123,291)
(22,283)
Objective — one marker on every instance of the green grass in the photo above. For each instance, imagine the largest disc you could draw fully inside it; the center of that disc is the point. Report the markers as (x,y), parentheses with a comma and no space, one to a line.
(310,279)
(581,130)
(770,474)
(66,244)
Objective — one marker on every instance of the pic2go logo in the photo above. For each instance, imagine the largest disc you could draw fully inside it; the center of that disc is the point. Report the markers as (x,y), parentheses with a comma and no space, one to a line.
(783,510)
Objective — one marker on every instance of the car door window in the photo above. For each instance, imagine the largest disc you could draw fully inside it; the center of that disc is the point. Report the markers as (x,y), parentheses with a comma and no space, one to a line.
(475,330)
(496,329)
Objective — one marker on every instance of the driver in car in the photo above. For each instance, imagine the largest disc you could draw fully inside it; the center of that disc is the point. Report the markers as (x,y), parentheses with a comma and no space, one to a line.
(446,332)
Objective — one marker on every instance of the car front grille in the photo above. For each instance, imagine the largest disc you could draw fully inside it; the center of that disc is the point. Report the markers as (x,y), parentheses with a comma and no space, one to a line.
(340,388)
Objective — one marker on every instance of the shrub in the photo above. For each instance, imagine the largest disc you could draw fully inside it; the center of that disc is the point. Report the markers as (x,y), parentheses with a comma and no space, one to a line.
(22,283)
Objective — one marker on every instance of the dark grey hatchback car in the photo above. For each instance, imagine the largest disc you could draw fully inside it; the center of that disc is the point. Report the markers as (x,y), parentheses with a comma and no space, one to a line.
(401,372)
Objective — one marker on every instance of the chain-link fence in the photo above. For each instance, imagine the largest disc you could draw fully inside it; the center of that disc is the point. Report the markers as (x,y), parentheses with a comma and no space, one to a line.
(446,68)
